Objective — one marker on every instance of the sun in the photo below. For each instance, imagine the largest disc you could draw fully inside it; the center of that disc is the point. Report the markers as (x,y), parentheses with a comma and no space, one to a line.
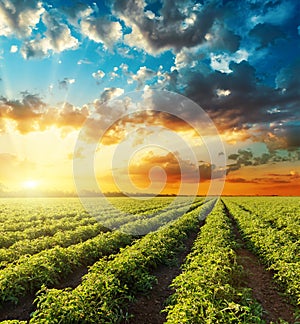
(30,184)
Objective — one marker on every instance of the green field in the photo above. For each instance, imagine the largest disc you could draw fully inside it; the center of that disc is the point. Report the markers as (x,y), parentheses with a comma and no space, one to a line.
(45,243)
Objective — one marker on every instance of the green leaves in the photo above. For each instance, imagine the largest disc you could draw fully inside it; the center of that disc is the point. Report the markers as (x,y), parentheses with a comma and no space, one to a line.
(271,227)
(111,284)
(206,291)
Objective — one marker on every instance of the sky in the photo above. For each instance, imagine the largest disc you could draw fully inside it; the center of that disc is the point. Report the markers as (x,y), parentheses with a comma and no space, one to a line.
(149,97)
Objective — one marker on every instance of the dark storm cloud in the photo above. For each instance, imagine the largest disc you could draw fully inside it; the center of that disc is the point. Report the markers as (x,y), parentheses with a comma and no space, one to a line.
(239,60)
(179,24)
(246,102)
(246,158)
(266,33)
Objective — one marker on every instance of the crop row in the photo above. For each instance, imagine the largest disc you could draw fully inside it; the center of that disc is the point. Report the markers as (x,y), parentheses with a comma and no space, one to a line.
(273,246)
(37,224)
(135,224)
(152,223)
(45,229)
(111,284)
(208,289)
(121,218)
(28,273)
(18,210)
(61,238)
(50,266)
(281,213)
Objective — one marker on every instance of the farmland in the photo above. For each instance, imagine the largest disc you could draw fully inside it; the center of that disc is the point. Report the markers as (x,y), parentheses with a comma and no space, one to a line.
(150,261)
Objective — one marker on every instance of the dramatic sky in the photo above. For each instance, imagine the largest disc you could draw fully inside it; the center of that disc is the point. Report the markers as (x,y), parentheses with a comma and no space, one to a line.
(64,62)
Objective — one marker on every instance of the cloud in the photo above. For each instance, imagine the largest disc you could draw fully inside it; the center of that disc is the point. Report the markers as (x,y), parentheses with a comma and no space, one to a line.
(277,12)
(142,75)
(266,33)
(14,49)
(64,84)
(31,114)
(76,11)
(98,75)
(176,169)
(246,158)
(35,48)
(19,17)
(58,33)
(110,93)
(247,103)
(69,116)
(238,180)
(24,112)
(57,38)
(84,61)
(101,30)
(179,25)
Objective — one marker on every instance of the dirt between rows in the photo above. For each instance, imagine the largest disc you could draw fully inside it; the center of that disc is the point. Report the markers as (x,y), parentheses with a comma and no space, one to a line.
(256,277)
(26,305)
(147,308)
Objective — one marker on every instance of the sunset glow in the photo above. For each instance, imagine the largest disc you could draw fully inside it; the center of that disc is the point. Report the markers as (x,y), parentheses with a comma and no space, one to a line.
(72,66)
(30,184)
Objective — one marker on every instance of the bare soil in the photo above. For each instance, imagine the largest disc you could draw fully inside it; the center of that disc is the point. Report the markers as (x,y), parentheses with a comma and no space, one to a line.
(147,308)
(260,280)
(26,305)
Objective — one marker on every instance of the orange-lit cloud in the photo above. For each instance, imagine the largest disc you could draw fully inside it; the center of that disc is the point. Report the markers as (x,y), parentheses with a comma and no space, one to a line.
(258,180)
(31,114)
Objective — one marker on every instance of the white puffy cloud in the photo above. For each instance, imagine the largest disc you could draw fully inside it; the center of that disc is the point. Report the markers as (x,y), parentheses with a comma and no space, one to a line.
(57,38)
(19,17)
(35,48)
(14,49)
(221,62)
(84,61)
(58,33)
(77,11)
(110,93)
(275,13)
(223,92)
(142,75)
(101,30)
(98,75)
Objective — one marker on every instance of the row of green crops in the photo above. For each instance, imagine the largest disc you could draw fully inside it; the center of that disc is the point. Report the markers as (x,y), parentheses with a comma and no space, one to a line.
(111,284)
(50,266)
(281,213)
(23,222)
(134,224)
(29,272)
(150,224)
(120,221)
(61,238)
(45,229)
(278,250)
(208,290)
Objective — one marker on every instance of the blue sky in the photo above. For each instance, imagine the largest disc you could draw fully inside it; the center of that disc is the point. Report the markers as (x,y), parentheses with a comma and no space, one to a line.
(239,60)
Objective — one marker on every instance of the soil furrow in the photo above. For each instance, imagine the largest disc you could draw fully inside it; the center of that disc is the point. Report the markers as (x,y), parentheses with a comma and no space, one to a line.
(26,306)
(260,280)
(147,308)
